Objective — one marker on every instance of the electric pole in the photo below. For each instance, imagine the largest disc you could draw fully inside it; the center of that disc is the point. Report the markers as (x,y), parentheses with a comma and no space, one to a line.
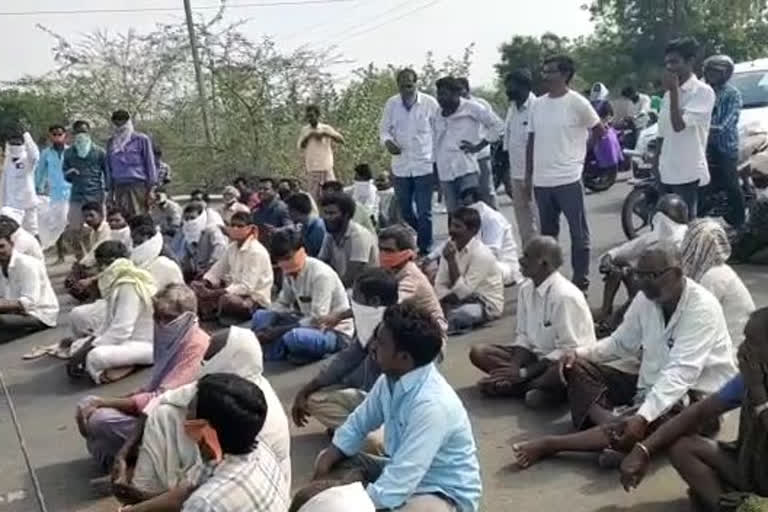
(198,73)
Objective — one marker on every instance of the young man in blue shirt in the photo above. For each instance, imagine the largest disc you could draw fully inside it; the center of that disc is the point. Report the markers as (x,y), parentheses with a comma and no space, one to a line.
(431,461)
(312,226)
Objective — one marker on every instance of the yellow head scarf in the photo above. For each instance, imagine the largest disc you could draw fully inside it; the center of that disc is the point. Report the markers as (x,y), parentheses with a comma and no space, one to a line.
(123,271)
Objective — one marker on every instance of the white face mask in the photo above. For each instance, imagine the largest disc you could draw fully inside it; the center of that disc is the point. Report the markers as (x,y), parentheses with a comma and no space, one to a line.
(143,255)
(193,229)
(367,319)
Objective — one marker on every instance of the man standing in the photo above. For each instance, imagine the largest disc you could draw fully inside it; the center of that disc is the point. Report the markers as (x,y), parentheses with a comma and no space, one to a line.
(684,121)
(518,85)
(557,144)
(85,167)
(461,130)
(50,182)
(723,146)
(487,190)
(406,132)
(131,164)
(315,141)
(21,156)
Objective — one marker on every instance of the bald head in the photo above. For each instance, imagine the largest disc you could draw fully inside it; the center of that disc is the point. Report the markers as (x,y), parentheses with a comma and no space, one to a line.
(673,206)
(542,257)
(659,258)
(660,276)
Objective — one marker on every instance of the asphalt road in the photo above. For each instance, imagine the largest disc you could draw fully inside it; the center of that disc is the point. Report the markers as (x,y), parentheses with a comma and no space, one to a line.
(45,401)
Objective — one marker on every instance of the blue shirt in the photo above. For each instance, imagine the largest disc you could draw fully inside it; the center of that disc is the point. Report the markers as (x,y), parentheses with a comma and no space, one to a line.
(314,233)
(724,130)
(732,394)
(49,175)
(427,436)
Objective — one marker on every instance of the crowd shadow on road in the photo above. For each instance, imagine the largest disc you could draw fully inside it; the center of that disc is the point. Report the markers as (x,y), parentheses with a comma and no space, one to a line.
(63,493)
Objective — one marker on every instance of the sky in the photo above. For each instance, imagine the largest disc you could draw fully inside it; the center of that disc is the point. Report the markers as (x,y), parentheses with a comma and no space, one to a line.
(399,32)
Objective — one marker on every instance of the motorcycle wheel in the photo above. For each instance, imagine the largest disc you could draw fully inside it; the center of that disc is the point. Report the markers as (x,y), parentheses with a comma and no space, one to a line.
(600,180)
(637,210)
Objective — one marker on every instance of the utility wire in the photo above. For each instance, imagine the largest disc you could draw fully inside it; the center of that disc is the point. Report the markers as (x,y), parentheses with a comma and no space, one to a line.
(387,22)
(276,3)
(362,22)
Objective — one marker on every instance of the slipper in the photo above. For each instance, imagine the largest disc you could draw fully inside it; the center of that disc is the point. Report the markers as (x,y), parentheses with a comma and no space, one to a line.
(115,374)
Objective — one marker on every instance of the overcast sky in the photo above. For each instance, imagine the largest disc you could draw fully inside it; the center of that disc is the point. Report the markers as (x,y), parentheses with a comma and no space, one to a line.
(379,31)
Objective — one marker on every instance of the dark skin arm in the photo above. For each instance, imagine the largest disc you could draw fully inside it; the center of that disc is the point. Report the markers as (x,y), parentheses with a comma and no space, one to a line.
(125,458)
(529,165)
(635,465)
(671,82)
(449,253)
(11,306)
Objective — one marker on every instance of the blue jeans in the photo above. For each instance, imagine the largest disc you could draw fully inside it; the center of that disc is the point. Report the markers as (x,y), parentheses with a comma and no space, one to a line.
(567,199)
(452,190)
(417,189)
(300,343)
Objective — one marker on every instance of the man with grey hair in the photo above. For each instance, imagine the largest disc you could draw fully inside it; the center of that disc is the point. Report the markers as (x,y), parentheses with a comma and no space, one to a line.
(552,317)
(679,329)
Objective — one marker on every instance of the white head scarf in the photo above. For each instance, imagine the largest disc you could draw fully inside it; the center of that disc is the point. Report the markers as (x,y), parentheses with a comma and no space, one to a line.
(344,498)
(122,134)
(193,229)
(598,92)
(143,255)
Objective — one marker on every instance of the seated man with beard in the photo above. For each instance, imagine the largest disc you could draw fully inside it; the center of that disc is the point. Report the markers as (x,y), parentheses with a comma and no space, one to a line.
(679,329)
(241,280)
(159,454)
(199,244)
(292,327)
(80,282)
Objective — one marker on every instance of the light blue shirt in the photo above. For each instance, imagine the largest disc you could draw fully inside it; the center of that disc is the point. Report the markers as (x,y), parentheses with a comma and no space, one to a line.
(49,175)
(427,436)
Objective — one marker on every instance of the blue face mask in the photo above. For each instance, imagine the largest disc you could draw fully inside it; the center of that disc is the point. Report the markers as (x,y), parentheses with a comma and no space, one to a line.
(82,144)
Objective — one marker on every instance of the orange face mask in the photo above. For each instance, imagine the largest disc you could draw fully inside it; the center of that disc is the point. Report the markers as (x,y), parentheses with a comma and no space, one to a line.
(241,233)
(394,259)
(294,264)
(202,433)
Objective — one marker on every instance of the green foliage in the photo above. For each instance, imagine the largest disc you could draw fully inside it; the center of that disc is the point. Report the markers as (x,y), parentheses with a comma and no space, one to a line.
(31,110)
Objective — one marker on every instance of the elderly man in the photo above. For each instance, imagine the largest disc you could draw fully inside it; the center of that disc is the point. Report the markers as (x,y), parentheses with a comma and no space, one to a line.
(679,328)
(167,213)
(552,317)
(241,280)
(469,282)
(198,245)
(405,131)
(461,130)
(131,164)
(232,204)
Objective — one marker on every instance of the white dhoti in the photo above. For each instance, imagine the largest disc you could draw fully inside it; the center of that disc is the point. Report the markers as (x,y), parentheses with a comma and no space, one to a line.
(27,218)
(105,357)
(88,318)
(52,216)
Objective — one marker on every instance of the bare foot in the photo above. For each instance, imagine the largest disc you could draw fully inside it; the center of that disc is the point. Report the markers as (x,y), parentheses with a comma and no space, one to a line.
(529,453)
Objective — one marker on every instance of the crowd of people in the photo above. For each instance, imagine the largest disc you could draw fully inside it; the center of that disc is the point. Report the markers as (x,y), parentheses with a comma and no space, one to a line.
(299,272)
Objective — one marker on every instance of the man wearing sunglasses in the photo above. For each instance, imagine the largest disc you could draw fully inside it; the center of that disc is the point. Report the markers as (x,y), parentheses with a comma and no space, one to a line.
(678,329)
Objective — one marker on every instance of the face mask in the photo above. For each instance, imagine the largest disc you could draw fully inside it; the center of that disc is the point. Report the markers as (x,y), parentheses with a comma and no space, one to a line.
(240,234)
(390,260)
(367,319)
(294,265)
(193,229)
(201,432)
(144,254)
(82,144)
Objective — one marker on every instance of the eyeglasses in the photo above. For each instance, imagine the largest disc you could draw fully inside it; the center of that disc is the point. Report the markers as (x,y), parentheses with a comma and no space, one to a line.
(650,275)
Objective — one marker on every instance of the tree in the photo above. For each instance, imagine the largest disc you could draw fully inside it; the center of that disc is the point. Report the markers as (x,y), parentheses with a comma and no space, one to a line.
(529,52)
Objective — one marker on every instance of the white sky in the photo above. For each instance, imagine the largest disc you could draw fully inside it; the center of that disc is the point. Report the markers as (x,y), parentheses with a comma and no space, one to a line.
(395,31)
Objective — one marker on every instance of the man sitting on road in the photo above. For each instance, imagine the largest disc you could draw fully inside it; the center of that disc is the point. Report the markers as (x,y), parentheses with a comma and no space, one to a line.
(241,280)
(27,301)
(232,204)
(312,226)
(708,467)
(496,233)
(81,278)
(347,247)
(668,225)
(552,317)
(469,283)
(167,213)
(198,245)
(362,214)
(349,375)
(23,242)
(679,329)
(311,290)
(431,461)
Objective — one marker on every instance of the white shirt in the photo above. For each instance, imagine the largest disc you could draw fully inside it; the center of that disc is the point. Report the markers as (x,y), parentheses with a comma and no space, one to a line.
(693,351)
(470,121)
(480,276)
(737,303)
(129,319)
(366,194)
(318,152)
(318,291)
(664,230)
(683,156)
(165,271)
(246,270)
(516,136)
(95,237)
(496,234)
(411,130)
(486,151)
(553,317)
(19,177)
(25,243)
(28,283)
(561,128)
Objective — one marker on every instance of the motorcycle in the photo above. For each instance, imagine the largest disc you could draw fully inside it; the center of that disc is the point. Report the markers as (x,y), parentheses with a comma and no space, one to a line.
(599,179)
(640,204)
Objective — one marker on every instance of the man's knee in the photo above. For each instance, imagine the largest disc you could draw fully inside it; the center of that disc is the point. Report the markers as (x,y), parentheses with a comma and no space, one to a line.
(478,356)
(682,450)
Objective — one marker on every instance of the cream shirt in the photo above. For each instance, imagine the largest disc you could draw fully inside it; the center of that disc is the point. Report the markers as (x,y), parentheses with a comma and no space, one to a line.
(318,153)
(246,270)
(693,351)
(733,296)
(553,317)
(496,233)
(25,243)
(480,276)
(28,283)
